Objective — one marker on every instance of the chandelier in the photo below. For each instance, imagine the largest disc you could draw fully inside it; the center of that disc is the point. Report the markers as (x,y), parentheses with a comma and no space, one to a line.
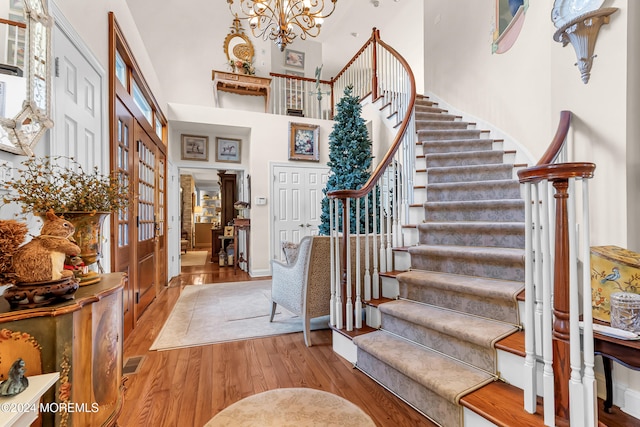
(282,20)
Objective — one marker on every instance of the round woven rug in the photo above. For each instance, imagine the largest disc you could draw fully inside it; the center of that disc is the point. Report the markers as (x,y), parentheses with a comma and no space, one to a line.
(292,407)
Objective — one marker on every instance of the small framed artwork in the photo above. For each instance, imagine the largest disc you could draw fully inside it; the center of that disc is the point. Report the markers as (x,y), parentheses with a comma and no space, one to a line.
(303,142)
(195,147)
(227,150)
(293,58)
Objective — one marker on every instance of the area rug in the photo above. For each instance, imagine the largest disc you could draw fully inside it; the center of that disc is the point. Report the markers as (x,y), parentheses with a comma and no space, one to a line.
(193,258)
(293,407)
(208,314)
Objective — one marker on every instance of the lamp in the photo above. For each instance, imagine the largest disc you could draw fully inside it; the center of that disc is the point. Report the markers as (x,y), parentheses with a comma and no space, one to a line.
(282,20)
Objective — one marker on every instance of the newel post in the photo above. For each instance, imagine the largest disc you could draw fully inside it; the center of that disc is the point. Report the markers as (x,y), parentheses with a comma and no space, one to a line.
(561,333)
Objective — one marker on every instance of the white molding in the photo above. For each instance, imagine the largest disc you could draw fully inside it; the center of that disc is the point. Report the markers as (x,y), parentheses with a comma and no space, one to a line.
(472,419)
(344,347)
(631,404)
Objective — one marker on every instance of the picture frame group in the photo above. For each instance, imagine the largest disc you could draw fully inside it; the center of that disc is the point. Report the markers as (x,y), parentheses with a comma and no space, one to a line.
(194,147)
(304,142)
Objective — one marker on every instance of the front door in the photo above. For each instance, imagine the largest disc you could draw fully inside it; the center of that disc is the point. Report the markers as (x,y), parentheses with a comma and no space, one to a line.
(297,198)
(145,172)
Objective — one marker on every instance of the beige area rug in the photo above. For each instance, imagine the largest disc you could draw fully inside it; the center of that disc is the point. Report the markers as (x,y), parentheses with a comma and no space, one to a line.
(193,258)
(208,314)
(293,407)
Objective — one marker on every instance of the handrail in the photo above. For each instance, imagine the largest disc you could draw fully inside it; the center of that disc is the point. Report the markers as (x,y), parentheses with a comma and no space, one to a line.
(558,141)
(386,160)
(552,291)
(375,35)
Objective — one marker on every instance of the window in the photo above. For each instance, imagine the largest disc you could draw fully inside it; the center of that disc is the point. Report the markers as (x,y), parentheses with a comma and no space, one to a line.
(141,101)
(121,69)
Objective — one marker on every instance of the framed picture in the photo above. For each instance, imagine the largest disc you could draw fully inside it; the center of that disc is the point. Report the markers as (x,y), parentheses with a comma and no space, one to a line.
(227,150)
(293,58)
(303,142)
(195,147)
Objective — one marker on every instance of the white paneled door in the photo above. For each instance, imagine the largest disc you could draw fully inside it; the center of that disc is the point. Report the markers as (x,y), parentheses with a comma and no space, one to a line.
(297,198)
(78,107)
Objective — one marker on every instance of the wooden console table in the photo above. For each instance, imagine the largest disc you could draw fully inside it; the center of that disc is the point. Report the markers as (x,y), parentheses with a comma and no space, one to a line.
(241,84)
(626,352)
(81,339)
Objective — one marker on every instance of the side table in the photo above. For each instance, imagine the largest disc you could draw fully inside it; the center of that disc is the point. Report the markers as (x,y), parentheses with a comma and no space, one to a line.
(625,352)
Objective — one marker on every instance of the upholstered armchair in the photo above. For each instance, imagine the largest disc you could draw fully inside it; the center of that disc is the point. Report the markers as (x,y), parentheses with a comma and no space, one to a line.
(304,286)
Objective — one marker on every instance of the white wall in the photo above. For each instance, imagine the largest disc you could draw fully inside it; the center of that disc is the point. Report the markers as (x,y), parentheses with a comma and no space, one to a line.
(523,91)
(267,141)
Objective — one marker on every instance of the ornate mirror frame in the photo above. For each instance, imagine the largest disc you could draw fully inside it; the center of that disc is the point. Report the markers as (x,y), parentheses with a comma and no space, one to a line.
(237,44)
(21,133)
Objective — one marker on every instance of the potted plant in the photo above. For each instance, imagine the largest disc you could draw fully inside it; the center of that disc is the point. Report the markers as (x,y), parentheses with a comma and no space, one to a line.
(85,198)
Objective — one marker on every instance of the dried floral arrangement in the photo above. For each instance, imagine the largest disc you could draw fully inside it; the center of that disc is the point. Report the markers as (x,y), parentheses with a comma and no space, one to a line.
(60,183)
(237,65)
(12,234)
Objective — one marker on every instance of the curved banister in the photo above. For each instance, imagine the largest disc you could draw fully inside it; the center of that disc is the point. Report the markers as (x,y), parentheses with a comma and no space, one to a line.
(386,160)
(559,139)
(375,35)
(557,171)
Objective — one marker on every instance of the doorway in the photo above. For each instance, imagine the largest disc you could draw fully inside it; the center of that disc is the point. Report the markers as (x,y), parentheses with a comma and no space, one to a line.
(297,199)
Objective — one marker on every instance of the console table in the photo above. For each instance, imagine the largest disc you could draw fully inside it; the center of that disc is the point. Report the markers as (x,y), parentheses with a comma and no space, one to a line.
(625,352)
(81,339)
(241,84)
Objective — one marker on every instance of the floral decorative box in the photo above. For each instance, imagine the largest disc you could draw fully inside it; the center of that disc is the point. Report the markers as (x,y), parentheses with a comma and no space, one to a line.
(613,269)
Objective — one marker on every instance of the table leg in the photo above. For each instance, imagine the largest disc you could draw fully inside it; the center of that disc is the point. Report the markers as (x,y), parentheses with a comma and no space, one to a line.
(608,380)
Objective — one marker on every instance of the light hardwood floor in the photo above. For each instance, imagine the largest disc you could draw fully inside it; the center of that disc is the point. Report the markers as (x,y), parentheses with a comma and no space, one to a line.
(187,387)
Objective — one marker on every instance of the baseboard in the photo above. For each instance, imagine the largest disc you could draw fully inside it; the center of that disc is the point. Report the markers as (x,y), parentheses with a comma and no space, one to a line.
(260,273)
(631,402)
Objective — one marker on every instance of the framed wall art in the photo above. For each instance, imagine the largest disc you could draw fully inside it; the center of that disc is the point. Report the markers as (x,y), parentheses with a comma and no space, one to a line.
(303,142)
(195,147)
(293,58)
(227,150)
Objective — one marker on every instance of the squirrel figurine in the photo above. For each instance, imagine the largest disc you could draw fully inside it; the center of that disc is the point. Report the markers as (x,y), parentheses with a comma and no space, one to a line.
(42,259)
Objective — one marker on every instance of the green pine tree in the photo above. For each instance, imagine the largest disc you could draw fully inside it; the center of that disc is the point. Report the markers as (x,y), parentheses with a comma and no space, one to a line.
(349,158)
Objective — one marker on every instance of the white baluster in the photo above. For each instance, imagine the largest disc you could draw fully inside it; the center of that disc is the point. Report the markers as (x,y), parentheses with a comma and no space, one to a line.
(349,302)
(358,286)
(547,317)
(332,256)
(530,387)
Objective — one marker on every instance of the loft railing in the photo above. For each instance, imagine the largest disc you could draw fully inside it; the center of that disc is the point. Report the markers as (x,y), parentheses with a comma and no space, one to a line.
(553,193)
(382,204)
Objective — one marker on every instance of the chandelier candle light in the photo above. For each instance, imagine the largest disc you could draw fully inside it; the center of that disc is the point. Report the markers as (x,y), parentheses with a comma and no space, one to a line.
(282,20)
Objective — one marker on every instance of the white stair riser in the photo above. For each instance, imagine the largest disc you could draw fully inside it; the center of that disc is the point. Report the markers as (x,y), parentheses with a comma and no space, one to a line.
(401,260)
(344,347)
(416,214)
(373,317)
(390,287)
(411,236)
(472,419)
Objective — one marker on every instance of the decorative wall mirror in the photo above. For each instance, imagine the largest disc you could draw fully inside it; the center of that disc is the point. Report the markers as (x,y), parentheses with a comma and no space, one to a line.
(509,21)
(237,45)
(25,77)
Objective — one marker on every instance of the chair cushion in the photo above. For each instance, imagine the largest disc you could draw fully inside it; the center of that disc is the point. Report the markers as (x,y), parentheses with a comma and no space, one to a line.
(290,251)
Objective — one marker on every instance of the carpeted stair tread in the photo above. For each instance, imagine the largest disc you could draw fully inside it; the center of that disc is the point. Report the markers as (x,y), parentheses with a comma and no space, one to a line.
(474,329)
(481,296)
(474,190)
(473,233)
(443,375)
(497,263)
(435,116)
(483,157)
(440,124)
(482,172)
(458,145)
(446,134)
(475,210)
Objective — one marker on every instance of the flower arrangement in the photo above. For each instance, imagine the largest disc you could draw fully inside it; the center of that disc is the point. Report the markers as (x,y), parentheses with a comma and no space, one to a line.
(237,65)
(60,183)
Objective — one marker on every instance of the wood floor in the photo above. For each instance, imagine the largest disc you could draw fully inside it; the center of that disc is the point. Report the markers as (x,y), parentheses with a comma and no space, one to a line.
(187,387)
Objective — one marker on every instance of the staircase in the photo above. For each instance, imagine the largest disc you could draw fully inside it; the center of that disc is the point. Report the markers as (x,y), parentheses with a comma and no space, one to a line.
(437,341)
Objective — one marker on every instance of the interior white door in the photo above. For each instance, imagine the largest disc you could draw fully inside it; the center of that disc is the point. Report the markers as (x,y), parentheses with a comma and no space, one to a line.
(78,107)
(297,199)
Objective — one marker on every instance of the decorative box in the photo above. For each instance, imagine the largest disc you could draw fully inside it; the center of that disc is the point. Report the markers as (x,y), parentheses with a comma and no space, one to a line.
(613,269)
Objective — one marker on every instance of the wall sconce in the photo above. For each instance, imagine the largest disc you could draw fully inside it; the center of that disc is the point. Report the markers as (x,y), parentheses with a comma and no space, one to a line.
(582,33)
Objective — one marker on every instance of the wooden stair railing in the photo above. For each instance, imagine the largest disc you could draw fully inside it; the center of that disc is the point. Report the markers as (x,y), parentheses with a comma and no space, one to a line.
(382,72)
(552,327)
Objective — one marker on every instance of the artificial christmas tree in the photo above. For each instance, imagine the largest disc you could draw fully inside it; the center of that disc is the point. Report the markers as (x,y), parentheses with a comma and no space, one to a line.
(349,158)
